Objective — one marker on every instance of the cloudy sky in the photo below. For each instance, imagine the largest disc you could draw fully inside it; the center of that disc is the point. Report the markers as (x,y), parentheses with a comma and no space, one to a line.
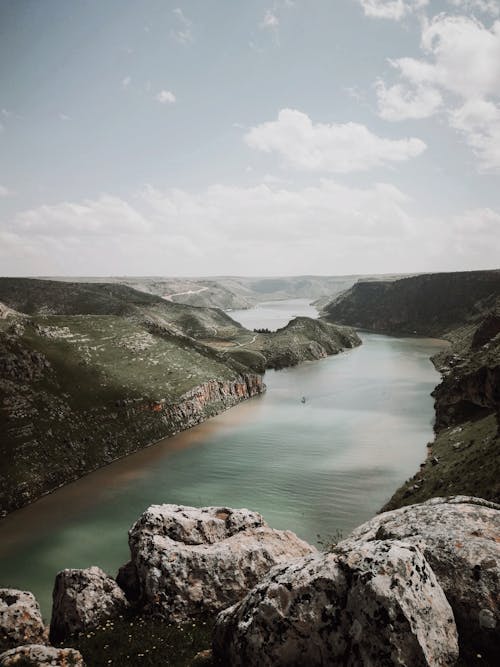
(249,137)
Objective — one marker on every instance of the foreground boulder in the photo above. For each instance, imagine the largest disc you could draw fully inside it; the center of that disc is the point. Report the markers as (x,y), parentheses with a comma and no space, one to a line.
(378,604)
(460,538)
(192,561)
(41,656)
(20,619)
(82,600)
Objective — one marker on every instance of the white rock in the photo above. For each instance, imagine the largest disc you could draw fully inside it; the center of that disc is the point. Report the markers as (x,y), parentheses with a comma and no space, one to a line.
(460,538)
(41,656)
(20,619)
(379,604)
(82,600)
(192,561)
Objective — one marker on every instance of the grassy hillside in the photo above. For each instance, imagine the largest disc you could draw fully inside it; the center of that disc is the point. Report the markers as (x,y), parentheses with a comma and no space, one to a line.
(92,372)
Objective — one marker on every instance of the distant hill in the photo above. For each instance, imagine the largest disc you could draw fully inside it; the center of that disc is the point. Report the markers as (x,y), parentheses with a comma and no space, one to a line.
(237,292)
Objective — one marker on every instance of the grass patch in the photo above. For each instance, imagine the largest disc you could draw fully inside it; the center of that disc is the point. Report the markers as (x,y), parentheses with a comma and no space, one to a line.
(138,640)
(462,460)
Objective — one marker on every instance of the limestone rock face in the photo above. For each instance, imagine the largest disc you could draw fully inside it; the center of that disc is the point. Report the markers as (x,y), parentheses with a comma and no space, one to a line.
(20,619)
(460,538)
(82,599)
(191,561)
(378,604)
(41,656)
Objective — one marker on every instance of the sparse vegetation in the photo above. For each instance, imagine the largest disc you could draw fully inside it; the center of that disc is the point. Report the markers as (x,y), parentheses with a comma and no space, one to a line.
(142,640)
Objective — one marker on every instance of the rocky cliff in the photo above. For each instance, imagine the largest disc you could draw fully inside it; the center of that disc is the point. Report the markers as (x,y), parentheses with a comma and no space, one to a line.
(425,305)
(463,458)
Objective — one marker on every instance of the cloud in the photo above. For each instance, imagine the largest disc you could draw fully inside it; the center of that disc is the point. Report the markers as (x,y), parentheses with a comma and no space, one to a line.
(478,121)
(270,20)
(107,215)
(334,148)
(4,191)
(400,102)
(328,228)
(463,57)
(166,97)
(391,9)
(183,33)
(63,116)
(458,76)
(176,231)
(126,81)
(485,6)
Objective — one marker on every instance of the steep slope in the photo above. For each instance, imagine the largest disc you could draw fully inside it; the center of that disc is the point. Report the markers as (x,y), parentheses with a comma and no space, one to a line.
(425,305)
(80,391)
(465,308)
(464,457)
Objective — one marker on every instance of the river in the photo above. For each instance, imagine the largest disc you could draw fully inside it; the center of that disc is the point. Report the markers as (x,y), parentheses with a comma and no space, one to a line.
(317,468)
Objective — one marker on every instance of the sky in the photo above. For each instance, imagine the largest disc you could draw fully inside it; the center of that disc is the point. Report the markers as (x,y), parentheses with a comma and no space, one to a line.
(249,137)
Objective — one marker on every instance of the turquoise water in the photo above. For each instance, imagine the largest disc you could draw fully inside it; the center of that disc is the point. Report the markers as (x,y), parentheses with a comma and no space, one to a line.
(317,467)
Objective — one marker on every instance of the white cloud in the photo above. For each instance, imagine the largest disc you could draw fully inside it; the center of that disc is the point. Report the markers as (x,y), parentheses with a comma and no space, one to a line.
(391,9)
(334,148)
(459,75)
(183,33)
(478,120)
(126,81)
(107,215)
(166,97)
(63,116)
(4,191)
(270,20)
(485,6)
(327,228)
(463,57)
(176,231)
(399,102)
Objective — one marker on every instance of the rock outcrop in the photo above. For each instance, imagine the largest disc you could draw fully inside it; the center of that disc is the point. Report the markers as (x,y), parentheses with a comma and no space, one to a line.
(305,339)
(460,539)
(35,655)
(20,619)
(378,603)
(190,562)
(208,399)
(82,600)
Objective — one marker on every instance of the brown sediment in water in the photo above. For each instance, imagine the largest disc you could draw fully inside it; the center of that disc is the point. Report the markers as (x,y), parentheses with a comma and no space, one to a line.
(76,497)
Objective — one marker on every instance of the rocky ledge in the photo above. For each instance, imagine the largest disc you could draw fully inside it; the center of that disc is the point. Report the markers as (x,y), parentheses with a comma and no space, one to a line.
(188,562)
(408,588)
(418,586)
